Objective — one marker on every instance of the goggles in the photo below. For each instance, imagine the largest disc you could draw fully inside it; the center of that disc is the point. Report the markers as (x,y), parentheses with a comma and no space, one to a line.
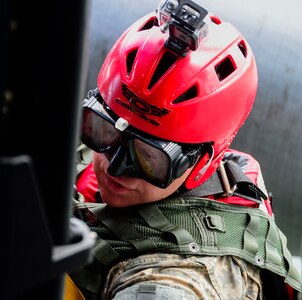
(130,152)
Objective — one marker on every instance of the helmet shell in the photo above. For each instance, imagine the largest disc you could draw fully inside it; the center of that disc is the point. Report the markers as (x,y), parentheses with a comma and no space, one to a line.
(204,96)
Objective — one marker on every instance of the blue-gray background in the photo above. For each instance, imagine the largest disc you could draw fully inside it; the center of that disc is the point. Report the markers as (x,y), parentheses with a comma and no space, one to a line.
(273,132)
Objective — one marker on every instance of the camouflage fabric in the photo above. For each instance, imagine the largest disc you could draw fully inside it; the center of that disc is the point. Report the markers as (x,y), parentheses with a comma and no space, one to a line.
(177,277)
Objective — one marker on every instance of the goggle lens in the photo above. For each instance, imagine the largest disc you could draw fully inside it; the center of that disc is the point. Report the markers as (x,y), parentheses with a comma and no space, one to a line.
(98,133)
(152,161)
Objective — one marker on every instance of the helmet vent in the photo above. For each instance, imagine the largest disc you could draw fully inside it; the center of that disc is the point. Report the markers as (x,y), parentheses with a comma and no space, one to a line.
(149,24)
(167,60)
(187,95)
(242,47)
(225,68)
(130,60)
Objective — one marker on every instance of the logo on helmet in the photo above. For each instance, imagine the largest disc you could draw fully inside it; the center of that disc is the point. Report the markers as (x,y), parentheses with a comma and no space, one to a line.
(140,107)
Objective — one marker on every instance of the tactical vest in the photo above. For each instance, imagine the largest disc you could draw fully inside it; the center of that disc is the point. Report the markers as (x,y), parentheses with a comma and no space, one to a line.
(186,225)
(189,226)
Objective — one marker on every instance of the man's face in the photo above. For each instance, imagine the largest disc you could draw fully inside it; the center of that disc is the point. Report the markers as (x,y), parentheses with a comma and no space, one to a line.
(126,191)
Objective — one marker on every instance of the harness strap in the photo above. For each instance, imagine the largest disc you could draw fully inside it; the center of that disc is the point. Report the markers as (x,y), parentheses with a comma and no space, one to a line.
(229,179)
(104,253)
(271,245)
(155,219)
(250,243)
(292,271)
(87,279)
(120,226)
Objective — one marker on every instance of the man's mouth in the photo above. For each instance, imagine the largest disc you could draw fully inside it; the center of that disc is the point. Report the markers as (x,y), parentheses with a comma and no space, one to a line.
(117,184)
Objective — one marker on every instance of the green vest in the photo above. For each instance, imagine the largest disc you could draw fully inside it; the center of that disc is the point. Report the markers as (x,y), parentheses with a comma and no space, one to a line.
(188,226)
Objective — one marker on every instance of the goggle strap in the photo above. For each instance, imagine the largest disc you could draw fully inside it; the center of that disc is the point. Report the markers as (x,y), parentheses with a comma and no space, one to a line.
(173,150)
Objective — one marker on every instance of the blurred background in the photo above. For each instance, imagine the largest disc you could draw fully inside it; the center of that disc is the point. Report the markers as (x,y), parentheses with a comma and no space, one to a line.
(273,132)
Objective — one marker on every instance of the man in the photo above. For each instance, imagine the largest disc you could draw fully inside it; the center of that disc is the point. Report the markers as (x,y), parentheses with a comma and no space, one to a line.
(178,213)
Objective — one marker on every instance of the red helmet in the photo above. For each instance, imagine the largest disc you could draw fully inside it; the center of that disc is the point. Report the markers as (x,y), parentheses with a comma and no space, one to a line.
(204,96)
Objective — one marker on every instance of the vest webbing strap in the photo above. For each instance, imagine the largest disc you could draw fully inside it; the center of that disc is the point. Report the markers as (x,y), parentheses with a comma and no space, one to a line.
(104,253)
(87,279)
(250,243)
(292,272)
(115,221)
(271,245)
(156,220)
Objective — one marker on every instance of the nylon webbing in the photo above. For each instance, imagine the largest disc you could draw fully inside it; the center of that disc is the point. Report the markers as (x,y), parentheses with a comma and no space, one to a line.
(155,219)
(246,246)
(292,272)
(250,235)
(212,186)
(235,173)
(235,176)
(272,254)
(104,253)
(119,225)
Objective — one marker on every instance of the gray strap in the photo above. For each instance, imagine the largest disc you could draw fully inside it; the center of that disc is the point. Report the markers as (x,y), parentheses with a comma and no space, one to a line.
(155,219)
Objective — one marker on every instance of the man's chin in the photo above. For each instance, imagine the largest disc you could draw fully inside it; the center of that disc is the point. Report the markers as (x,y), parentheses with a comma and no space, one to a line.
(114,199)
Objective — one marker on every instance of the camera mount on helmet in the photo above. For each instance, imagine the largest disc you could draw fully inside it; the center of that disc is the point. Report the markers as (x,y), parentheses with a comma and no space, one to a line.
(184,20)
